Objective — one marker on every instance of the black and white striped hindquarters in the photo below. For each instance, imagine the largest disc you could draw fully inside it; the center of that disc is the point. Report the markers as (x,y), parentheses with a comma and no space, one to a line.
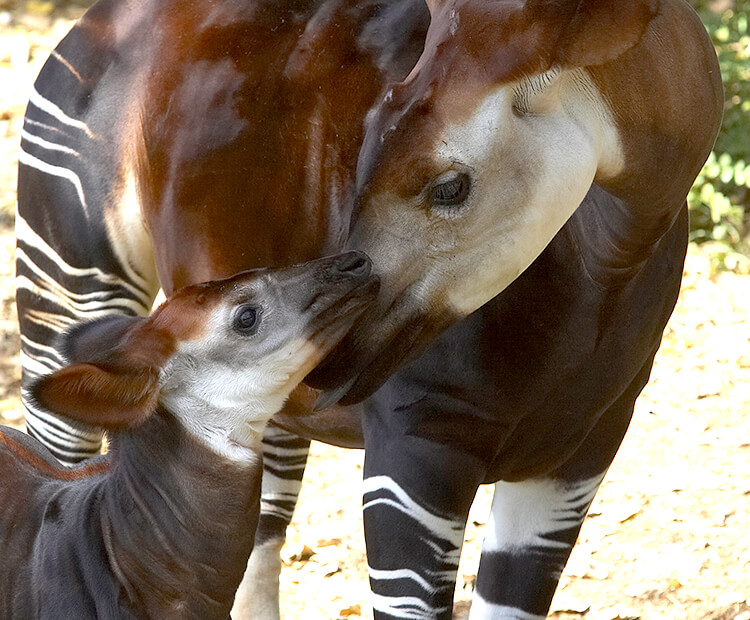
(70,265)
(284,460)
(531,531)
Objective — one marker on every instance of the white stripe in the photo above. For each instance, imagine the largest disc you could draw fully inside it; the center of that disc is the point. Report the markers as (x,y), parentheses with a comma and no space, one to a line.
(409,607)
(278,497)
(450,530)
(279,466)
(276,511)
(482,610)
(50,320)
(401,573)
(275,485)
(29,121)
(50,146)
(53,425)
(27,235)
(82,311)
(30,160)
(50,351)
(48,283)
(284,452)
(53,110)
(525,513)
(34,366)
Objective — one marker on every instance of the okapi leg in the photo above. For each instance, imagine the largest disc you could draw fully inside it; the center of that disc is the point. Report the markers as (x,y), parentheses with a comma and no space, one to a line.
(73,262)
(413,547)
(284,460)
(535,523)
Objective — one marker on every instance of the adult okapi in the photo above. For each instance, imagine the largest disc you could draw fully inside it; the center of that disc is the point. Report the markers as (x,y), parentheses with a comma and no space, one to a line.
(517,170)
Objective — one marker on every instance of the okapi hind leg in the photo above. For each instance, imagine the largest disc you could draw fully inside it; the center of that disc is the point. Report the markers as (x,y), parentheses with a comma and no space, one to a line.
(284,460)
(82,251)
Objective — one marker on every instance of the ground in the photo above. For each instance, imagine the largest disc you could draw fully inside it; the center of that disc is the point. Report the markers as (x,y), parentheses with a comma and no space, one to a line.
(668,536)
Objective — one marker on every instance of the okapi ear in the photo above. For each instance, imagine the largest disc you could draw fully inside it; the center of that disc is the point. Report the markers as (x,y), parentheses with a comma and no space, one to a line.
(97,396)
(596,31)
(113,381)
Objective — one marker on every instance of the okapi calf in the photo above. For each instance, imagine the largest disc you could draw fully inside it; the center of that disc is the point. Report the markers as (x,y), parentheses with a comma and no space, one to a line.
(162,526)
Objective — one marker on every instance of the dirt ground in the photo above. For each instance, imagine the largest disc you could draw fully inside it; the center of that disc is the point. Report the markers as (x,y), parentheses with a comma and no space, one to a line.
(668,536)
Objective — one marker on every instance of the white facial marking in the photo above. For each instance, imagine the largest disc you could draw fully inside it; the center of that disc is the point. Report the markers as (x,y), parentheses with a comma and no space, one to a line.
(224,388)
(530,171)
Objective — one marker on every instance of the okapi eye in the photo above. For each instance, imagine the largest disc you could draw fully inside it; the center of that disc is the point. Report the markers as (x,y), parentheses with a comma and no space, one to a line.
(451,189)
(247,320)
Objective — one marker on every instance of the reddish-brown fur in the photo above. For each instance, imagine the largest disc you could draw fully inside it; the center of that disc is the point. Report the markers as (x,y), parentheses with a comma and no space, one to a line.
(47,468)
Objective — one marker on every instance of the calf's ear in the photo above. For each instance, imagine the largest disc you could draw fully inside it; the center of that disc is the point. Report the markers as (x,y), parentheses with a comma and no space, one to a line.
(97,396)
(113,381)
(593,32)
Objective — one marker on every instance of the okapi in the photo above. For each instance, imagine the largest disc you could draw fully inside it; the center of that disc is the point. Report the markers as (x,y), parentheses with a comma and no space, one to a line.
(163,525)
(517,170)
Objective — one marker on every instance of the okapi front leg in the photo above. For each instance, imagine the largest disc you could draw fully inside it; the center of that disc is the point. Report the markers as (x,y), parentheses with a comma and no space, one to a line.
(413,547)
(535,523)
(531,532)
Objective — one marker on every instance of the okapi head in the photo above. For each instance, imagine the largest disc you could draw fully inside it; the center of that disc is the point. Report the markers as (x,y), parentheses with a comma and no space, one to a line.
(472,164)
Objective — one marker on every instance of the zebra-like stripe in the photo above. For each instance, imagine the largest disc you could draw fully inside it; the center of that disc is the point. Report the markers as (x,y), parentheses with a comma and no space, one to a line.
(412,591)
(284,460)
(402,573)
(530,533)
(57,56)
(69,442)
(44,281)
(45,144)
(529,514)
(55,111)
(444,529)
(35,365)
(58,171)
(28,237)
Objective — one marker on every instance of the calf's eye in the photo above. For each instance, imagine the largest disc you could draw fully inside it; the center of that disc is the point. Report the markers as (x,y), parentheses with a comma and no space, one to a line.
(247,320)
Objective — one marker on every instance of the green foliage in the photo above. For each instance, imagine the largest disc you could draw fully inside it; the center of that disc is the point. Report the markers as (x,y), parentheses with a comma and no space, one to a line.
(720,198)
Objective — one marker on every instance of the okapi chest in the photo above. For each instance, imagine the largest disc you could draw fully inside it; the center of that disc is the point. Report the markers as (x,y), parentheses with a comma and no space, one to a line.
(516,170)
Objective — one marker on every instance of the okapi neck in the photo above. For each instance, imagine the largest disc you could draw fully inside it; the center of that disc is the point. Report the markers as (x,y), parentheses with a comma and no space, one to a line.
(179,521)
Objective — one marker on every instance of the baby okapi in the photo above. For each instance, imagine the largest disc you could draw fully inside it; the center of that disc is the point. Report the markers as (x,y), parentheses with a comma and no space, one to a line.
(162,526)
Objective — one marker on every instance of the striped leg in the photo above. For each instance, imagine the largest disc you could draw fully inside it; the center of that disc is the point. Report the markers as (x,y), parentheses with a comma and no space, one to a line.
(535,523)
(284,460)
(413,548)
(530,534)
(68,266)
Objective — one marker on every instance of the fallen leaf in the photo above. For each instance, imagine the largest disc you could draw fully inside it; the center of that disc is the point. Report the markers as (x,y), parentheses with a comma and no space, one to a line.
(328,542)
(352,610)
(298,552)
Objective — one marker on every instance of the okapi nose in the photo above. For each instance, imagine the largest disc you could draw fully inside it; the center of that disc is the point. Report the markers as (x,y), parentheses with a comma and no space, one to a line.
(354,264)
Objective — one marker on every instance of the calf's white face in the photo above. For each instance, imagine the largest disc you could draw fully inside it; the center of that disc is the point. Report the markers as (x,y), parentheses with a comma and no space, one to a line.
(260,335)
